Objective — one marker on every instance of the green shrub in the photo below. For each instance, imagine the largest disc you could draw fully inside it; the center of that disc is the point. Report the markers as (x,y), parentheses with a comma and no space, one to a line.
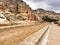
(48,19)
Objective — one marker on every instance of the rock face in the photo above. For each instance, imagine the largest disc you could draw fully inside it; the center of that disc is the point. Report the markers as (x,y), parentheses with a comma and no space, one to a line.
(20,9)
(25,10)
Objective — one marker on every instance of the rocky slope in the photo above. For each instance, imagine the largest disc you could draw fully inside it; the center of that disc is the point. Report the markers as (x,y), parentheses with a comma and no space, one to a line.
(16,10)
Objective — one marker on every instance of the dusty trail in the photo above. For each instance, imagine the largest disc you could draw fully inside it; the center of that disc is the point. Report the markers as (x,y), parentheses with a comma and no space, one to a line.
(54,35)
(51,37)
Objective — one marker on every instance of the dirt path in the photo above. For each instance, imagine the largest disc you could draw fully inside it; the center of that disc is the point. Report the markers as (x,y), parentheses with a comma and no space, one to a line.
(13,35)
(54,36)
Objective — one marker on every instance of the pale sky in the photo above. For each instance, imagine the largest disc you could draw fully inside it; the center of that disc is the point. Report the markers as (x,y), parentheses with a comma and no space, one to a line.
(53,5)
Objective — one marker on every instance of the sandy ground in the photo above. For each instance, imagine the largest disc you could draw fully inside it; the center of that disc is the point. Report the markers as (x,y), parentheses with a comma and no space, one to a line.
(54,36)
(14,35)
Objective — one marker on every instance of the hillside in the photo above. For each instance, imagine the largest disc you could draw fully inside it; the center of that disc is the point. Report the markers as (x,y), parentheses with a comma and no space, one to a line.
(41,12)
(18,10)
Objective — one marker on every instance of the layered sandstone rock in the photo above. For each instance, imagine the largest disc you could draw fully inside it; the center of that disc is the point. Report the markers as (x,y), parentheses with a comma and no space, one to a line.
(23,8)
(18,8)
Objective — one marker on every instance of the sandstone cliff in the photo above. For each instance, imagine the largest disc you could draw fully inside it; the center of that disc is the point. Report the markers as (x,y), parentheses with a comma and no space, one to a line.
(16,9)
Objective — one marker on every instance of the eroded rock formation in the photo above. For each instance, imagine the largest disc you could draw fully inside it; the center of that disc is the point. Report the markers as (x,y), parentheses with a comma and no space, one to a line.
(18,8)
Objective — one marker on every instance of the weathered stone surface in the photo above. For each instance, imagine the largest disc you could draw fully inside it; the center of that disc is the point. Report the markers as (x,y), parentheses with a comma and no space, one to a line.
(16,7)
(23,8)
